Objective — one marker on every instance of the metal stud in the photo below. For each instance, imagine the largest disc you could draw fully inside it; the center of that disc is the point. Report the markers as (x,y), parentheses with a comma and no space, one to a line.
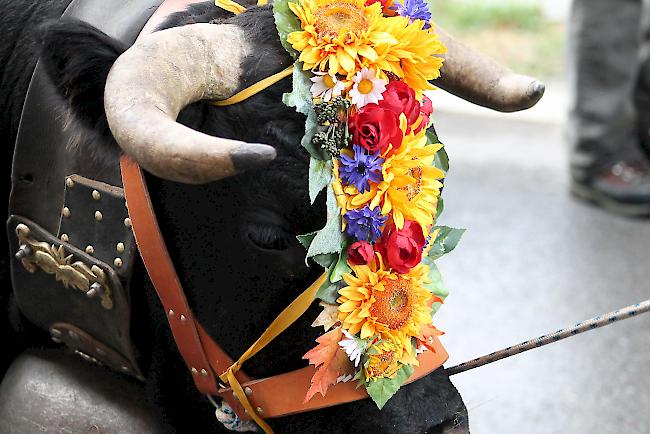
(65,238)
(204,372)
(23,251)
(120,247)
(183,318)
(73,335)
(171,312)
(248,391)
(125,369)
(90,249)
(95,290)
(96,195)
(127,222)
(66,212)
(117,262)
(69,182)
(56,335)
(194,371)
(259,410)
(98,216)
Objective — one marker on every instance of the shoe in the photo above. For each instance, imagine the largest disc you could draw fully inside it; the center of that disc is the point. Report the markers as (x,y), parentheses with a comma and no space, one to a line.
(623,188)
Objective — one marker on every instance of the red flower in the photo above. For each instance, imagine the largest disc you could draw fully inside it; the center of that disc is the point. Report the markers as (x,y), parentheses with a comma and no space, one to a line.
(385,6)
(402,250)
(400,98)
(427,110)
(360,253)
(375,128)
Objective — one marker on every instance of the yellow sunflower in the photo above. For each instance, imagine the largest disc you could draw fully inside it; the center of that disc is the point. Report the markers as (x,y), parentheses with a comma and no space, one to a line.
(411,185)
(415,57)
(379,302)
(338,35)
(385,359)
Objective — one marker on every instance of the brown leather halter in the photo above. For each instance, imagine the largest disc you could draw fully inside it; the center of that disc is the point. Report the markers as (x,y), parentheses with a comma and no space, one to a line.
(275,396)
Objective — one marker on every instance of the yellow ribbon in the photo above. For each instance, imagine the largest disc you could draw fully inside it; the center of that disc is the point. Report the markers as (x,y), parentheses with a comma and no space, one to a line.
(254,89)
(230,6)
(287,317)
(235,7)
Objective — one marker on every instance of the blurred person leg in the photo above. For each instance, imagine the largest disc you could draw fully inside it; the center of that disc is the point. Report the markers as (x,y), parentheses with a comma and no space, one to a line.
(607,165)
(643,87)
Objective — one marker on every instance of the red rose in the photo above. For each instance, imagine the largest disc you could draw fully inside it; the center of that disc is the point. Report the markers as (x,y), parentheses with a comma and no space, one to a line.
(375,128)
(400,98)
(360,253)
(402,250)
(427,110)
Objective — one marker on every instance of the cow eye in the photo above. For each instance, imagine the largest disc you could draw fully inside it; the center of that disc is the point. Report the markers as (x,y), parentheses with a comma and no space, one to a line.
(268,236)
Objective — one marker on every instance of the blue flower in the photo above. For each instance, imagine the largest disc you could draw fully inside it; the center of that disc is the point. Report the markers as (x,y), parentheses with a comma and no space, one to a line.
(361,169)
(364,224)
(415,10)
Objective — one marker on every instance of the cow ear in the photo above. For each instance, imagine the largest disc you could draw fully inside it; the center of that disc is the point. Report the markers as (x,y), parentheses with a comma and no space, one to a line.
(77,57)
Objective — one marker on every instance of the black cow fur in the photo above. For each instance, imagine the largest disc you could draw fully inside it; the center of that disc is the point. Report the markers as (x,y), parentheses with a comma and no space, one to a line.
(232,242)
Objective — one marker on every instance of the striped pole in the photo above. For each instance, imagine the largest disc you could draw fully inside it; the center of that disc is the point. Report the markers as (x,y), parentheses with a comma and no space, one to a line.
(590,324)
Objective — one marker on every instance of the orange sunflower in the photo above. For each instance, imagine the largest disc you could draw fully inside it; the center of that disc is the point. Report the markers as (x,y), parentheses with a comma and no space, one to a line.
(381,303)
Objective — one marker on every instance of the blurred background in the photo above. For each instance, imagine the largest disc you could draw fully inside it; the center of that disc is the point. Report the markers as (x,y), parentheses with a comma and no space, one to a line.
(535,258)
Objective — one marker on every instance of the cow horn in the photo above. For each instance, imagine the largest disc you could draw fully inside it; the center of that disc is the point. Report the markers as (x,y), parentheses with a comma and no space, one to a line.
(479,79)
(163,72)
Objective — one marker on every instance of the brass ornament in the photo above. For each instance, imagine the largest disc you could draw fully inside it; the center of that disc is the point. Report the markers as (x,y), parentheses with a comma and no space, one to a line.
(37,255)
(96,195)
(98,216)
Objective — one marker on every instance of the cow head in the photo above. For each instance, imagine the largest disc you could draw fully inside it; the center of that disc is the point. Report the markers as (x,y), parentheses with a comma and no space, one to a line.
(233,241)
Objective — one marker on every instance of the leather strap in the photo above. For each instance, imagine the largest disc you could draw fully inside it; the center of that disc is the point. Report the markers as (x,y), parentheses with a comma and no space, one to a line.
(164,278)
(284,394)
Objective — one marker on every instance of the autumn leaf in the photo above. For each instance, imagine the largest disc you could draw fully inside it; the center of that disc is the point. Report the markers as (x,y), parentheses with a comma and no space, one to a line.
(328,316)
(427,333)
(330,362)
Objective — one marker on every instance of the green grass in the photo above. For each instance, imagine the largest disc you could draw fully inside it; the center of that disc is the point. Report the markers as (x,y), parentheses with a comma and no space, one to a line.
(482,14)
(514,32)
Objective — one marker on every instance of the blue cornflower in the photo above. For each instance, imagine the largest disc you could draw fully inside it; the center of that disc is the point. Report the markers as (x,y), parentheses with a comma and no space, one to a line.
(361,169)
(364,224)
(415,10)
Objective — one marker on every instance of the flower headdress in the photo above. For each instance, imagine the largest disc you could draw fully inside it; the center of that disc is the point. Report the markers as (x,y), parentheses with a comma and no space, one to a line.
(361,70)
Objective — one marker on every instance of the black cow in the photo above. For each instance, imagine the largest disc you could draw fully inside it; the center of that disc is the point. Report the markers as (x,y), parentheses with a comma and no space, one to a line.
(232,241)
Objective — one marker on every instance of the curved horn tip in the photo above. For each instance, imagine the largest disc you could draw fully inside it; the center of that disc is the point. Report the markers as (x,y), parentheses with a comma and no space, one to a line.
(252,156)
(536,91)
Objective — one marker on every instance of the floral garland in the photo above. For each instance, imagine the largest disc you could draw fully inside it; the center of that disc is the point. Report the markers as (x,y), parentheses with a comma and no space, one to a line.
(361,70)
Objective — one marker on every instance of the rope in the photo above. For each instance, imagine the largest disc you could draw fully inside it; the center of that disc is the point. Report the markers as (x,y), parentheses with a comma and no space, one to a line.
(590,324)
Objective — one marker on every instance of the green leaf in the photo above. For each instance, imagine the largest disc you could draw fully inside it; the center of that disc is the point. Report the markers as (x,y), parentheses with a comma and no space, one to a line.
(437,285)
(301,99)
(306,239)
(440,208)
(432,136)
(329,291)
(326,261)
(446,241)
(330,238)
(320,175)
(286,22)
(341,267)
(442,160)
(382,389)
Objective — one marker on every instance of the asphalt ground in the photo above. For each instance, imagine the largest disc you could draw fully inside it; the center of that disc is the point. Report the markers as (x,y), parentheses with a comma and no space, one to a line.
(535,260)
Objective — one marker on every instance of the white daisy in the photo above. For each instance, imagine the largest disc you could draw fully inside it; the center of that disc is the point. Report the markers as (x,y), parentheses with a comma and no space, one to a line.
(326,86)
(367,88)
(353,347)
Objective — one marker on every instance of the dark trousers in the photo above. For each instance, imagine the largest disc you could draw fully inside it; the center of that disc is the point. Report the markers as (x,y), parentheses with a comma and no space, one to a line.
(607,68)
